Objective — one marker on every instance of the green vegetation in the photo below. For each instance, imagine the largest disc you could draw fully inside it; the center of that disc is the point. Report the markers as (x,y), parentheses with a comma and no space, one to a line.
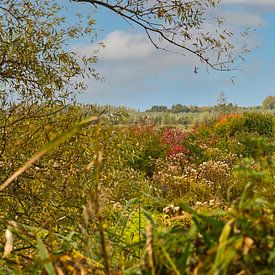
(269,102)
(110,198)
(101,190)
(35,65)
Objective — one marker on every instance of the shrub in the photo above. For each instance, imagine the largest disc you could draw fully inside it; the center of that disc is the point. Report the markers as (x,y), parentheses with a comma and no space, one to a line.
(174,139)
(259,123)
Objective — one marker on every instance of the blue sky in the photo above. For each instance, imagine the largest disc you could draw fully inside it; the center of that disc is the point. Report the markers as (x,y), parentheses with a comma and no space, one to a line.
(139,76)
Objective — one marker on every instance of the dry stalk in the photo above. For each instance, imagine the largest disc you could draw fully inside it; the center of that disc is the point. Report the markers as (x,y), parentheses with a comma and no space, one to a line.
(149,248)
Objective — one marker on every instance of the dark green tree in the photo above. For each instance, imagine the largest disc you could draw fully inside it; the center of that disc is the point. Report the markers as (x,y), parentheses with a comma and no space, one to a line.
(179,108)
(269,102)
(157,108)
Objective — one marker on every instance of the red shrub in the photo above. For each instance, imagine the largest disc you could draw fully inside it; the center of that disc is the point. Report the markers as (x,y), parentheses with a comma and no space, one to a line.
(174,138)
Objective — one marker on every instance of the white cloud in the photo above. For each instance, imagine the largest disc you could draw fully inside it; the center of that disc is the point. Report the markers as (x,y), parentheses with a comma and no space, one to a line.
(129,63)
(256,6)
(126,46)
(251,2)
(131,56)
(120,45)
(243,19)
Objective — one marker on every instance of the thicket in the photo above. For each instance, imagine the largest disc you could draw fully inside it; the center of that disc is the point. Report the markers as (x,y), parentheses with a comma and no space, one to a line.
(107,198)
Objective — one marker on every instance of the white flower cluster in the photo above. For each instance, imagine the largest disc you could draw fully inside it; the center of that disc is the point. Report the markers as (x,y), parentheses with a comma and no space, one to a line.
(217,164)
(178,158)
(191,171)
(172,210)
(211,203)
(215,171)
(116,206)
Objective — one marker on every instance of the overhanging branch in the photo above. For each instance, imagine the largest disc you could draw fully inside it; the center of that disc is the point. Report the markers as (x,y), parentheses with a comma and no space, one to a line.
(164,11)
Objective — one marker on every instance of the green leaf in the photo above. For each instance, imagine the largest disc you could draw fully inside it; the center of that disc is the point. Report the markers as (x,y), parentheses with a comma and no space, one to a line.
(43,254)
(220,256)
(170,261)
(185,256)
(122,215)
(148,217)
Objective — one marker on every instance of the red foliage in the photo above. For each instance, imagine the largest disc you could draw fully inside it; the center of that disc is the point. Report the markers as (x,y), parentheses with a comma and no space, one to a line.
(173,138)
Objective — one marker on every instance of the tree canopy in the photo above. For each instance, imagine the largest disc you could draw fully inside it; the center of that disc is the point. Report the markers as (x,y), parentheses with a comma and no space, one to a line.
(35,62)
(269,102)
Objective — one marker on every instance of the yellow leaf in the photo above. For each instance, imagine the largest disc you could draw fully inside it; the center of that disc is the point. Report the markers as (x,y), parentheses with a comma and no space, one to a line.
(247,244)
(91,22)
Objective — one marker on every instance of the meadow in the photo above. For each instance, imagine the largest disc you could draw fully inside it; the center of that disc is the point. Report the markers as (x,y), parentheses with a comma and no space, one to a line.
(100,192)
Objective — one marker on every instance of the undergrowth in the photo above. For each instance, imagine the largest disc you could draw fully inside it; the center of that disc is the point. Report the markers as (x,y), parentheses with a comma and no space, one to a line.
(102,198)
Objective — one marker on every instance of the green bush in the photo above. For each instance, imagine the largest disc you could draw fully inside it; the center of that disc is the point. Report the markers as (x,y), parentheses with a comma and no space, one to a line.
(259,123)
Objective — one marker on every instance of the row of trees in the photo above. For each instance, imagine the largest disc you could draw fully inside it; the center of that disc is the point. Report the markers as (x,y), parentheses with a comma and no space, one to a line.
(268,104)
(179,108)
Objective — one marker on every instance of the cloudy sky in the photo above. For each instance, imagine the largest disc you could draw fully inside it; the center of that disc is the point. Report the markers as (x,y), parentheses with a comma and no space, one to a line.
(137,75)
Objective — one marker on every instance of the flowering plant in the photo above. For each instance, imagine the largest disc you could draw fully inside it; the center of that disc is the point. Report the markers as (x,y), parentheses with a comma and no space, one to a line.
(174,138)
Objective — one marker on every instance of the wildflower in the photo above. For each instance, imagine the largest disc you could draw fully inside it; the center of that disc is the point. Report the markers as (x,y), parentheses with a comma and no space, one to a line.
(198,203)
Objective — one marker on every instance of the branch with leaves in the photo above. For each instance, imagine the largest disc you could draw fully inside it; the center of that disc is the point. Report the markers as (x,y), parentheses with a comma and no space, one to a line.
(35,64)
(181,24)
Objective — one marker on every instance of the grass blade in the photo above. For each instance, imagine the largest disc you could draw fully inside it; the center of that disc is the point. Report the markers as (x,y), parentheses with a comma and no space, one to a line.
(43,254)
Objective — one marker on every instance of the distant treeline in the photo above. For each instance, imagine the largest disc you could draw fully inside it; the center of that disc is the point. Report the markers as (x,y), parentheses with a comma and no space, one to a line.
(176,115)
(179,108)
(268,104)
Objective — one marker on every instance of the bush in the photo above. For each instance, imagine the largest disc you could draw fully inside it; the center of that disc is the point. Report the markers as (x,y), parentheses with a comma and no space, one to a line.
(259,123)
